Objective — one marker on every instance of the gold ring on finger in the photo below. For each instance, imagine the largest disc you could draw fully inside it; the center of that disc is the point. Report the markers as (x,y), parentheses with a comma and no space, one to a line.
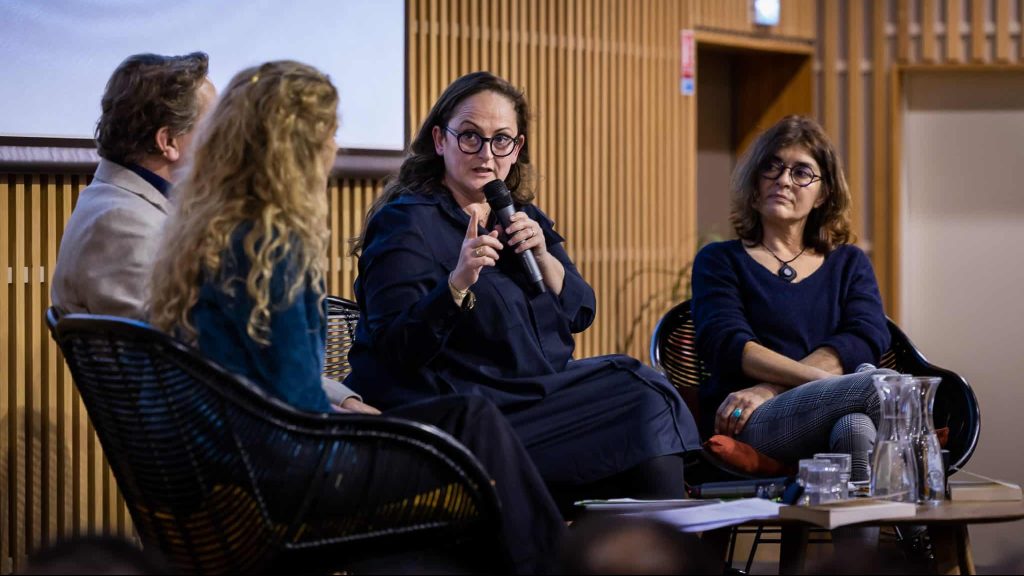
(478,252)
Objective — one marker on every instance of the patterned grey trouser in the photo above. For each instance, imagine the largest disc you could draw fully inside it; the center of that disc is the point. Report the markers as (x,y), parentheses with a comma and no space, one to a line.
(836,414)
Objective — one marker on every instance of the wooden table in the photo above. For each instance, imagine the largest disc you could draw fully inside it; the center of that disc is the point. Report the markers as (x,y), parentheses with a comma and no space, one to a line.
(947,526)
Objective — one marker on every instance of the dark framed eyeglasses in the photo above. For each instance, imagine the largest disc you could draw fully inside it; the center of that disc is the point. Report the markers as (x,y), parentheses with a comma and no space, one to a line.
(801,174)
(471,142)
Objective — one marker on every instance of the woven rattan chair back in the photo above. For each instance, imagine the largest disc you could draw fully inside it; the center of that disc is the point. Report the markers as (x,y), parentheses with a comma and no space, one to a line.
(221,477)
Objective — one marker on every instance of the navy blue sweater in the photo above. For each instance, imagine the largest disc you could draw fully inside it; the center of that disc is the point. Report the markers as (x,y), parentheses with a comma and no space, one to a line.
(736,300)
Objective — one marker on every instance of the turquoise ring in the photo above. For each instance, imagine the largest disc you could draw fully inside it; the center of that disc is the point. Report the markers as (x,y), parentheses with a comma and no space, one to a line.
(737,413)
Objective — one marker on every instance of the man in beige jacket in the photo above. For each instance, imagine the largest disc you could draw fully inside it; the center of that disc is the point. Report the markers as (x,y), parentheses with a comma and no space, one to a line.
(150,109)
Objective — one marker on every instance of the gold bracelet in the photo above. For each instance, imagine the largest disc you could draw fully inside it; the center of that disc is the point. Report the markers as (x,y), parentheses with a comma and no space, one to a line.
(458,295)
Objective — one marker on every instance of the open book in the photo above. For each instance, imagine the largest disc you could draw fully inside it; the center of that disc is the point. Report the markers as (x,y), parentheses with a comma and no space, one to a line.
(843,512)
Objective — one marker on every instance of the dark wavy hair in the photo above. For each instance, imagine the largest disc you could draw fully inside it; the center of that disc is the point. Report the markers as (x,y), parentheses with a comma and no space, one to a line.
(145,93)
(423,168)
(828,225)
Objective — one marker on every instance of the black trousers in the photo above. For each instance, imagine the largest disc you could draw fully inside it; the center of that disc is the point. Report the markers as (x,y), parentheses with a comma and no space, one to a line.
(532,524)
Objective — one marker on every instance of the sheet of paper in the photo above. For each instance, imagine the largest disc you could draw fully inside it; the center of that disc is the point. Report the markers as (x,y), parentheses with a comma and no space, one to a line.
(700,518)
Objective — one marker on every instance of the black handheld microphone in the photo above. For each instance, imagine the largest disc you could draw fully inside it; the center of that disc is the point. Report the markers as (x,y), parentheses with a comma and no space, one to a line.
(501,204)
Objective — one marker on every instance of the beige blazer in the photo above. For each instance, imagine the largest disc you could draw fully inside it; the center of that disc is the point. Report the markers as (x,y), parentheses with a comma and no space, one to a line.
(109,244)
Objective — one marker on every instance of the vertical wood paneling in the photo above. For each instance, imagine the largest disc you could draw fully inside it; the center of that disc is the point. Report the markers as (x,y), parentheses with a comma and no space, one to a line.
(40,442)
(830,68)
(8,444)
(1002,17)
(854,110)
(954,41)
(928,21)
(891,202)
(33,395)
(979,41)
(880,167)
(20,386)
(903,31)
(50,453)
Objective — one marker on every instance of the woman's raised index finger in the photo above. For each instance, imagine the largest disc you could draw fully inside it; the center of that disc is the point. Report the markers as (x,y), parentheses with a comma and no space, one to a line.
(473,225)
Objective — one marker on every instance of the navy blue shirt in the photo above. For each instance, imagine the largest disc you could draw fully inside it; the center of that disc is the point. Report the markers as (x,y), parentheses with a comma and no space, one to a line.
(737,300)
(413,342)
(290,367)
(161,184)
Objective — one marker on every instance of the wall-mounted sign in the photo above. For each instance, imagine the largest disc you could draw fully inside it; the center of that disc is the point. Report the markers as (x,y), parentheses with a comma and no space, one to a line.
(687,63)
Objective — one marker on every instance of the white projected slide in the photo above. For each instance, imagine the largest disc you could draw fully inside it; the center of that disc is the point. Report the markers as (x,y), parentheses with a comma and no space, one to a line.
(58,54)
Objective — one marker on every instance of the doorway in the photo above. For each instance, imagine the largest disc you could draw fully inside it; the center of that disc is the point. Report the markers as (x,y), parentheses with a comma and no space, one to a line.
(740,92)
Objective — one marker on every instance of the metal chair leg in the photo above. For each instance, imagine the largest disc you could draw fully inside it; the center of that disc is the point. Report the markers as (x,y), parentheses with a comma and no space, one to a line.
(753,549)
(732,546)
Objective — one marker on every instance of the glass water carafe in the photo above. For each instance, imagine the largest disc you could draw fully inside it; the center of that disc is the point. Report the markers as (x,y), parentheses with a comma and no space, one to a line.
(927,451)
(894,468)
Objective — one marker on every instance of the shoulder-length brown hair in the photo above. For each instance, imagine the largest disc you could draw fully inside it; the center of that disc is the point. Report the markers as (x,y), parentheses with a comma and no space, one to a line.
(423,168)
(828,225)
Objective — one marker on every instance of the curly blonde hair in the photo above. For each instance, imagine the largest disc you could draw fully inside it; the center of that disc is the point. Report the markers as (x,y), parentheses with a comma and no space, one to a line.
(258,161)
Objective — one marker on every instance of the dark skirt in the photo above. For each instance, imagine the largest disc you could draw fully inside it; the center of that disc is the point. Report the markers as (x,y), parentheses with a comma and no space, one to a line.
(601,416)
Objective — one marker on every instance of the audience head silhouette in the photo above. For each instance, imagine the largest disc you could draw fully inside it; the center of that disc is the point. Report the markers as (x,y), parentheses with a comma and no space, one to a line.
(624,545)
(95,555)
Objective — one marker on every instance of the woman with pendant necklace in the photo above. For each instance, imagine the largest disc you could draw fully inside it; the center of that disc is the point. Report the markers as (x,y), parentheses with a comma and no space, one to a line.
(789,317)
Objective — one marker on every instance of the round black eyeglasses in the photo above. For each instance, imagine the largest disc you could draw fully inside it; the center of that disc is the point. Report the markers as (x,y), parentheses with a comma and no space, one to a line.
(471,142)
(802,175)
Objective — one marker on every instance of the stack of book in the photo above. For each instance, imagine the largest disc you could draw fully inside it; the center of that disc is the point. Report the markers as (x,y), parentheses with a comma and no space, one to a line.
(843,512)
(982,489)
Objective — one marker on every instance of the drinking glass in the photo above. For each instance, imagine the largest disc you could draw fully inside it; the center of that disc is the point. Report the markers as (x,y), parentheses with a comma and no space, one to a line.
(819,479)
(844,462)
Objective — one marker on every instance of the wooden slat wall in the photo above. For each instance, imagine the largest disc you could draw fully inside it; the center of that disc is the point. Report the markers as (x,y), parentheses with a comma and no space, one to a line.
(879,36)
(53,479)
(613,141)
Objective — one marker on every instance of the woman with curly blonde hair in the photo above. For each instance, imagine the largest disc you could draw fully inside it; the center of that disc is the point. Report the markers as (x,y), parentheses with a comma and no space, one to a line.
(240,272)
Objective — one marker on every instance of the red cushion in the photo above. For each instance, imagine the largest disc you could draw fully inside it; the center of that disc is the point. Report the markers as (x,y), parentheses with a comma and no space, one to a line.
(744,458)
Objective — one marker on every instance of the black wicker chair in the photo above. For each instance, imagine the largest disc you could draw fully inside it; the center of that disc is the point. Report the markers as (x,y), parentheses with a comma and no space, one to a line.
(221,477)
(674,351)
(342,316)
